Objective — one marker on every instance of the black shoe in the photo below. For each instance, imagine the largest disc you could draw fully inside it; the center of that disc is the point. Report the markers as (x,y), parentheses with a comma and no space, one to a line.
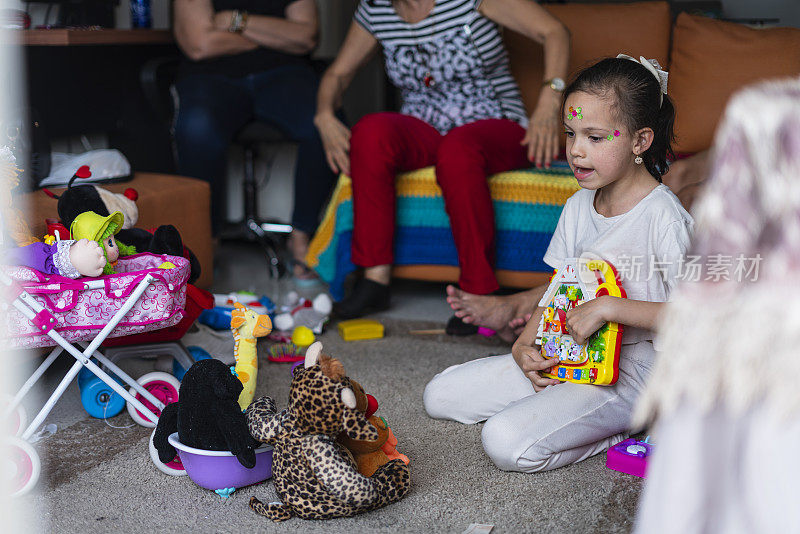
(457,327)
(367,297)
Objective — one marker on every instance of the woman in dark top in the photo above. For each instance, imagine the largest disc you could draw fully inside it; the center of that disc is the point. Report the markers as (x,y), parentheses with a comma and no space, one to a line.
(245,60)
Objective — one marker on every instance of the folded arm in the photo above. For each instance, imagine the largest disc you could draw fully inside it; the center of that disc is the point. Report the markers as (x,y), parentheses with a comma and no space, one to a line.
(202,33)
(297,33)
(198,38)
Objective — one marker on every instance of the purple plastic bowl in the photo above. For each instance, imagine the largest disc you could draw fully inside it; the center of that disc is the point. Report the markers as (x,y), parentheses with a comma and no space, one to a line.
(220,469)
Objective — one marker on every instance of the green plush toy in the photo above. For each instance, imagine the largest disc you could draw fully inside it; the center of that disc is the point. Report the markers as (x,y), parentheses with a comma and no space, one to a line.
(90,225)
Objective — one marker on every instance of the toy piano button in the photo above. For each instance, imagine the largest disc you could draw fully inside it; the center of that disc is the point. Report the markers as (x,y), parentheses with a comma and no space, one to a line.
(593,374)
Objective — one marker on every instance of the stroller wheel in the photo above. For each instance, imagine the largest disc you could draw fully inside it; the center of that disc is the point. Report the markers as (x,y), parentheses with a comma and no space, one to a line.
(20,466)
(17,420)
(162,386)
(98,399)
(173,468)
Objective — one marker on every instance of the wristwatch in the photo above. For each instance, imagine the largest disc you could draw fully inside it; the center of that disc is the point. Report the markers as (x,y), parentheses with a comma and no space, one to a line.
(556,84)
(238,21)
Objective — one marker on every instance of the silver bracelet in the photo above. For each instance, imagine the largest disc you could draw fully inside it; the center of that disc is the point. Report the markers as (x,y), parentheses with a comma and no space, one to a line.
(236,22)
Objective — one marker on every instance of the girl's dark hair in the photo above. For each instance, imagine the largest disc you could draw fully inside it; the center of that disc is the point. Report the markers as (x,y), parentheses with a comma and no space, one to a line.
(636,94)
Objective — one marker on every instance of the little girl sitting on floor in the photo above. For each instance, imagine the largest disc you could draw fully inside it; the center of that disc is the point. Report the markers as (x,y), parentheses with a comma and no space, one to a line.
(618,121)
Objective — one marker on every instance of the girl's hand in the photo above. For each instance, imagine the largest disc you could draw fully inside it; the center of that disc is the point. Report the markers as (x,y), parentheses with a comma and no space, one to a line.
(543,131)
(336,142)
(584,320)
(531,361)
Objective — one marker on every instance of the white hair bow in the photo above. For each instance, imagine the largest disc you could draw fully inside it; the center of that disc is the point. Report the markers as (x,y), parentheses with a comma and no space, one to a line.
(654,67)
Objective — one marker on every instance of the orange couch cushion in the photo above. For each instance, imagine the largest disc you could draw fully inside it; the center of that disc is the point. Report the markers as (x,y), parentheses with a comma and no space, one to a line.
(711,60)
(598,31)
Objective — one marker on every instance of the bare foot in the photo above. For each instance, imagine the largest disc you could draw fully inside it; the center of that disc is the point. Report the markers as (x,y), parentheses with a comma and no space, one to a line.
(298,247)
(517,324)
(490,311)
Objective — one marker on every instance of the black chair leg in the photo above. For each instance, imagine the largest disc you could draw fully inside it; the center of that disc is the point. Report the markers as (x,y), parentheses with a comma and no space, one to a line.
(251,213)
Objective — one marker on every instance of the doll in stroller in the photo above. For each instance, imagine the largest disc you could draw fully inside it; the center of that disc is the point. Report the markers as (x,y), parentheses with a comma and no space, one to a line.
(146,301)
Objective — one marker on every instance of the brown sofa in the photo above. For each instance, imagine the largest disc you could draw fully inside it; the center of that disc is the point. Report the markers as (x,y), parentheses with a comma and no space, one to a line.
(163,199)
(708,60)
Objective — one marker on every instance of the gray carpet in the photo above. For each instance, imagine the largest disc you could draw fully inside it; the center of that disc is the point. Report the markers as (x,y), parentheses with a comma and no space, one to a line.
(100,479)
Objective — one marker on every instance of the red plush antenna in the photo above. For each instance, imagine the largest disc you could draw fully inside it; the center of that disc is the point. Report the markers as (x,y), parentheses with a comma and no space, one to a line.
(82,172)
(372,405)
(132,194)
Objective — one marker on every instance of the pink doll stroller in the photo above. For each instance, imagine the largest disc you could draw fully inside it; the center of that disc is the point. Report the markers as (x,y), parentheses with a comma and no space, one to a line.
(147,293)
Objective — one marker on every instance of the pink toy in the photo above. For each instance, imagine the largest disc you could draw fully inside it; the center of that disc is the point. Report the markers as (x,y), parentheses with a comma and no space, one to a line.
(147,293)
(487,332)
(285,353)
(82,308)
(629,456)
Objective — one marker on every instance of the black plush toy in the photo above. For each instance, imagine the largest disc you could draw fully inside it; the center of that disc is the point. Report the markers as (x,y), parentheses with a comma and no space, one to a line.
(207,415)
(166,239)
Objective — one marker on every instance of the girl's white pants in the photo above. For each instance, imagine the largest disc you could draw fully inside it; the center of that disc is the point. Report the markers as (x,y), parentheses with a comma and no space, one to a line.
(528,431)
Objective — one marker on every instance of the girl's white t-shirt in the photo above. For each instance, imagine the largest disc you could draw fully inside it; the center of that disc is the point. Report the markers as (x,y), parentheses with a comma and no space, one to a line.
(646,245)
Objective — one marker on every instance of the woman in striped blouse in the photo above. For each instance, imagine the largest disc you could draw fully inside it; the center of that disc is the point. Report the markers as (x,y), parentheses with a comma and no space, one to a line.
(461,111)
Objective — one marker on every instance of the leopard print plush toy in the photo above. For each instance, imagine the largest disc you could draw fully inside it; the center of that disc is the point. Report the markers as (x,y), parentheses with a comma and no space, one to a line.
(316,477)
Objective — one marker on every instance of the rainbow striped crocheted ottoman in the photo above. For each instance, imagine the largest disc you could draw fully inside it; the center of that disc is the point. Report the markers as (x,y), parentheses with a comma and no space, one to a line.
(527,204)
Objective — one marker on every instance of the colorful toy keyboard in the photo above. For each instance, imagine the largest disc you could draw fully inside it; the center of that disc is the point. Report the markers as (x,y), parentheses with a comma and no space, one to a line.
(597,361)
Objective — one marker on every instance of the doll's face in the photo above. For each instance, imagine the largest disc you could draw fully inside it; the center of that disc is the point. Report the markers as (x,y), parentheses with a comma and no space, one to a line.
(110,246)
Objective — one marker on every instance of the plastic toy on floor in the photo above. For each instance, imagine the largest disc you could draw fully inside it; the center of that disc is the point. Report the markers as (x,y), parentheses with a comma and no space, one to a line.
(207,419)
(358,329)
(247,326)
(630,456)
(597,361)
(315,477)
(297,311)
(219,317)
(295,349)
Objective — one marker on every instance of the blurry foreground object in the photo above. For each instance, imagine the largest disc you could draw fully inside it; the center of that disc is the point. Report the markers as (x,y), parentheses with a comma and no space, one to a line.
(725,394)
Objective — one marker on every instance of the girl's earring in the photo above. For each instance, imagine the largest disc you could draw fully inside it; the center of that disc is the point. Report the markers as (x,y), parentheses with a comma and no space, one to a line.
(638,160)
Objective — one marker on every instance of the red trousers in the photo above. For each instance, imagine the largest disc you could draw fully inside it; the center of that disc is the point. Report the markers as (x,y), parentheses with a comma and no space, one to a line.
(383,144)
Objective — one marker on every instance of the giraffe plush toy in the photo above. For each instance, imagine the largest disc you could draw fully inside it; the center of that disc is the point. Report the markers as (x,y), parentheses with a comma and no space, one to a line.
(247,326)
